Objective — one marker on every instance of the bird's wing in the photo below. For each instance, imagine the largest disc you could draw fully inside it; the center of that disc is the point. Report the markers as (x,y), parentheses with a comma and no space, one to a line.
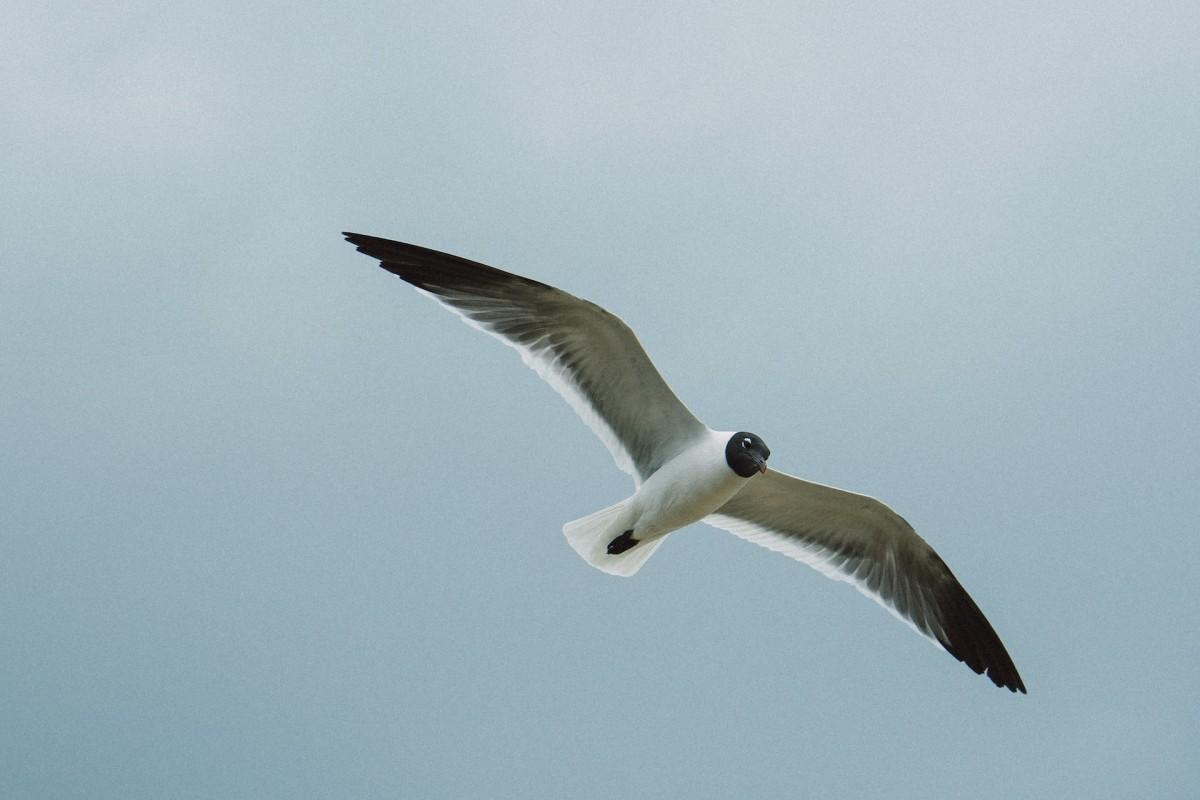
(588,355)
(858,539)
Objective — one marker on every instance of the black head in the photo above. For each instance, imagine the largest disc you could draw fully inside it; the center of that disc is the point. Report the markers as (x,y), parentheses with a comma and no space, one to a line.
(746,454)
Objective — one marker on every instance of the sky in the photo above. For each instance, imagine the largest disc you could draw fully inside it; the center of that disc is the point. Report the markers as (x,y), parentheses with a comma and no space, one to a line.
(273,525)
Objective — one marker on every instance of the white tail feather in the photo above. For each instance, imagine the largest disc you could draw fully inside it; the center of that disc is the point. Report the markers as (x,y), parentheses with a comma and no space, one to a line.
(590,535)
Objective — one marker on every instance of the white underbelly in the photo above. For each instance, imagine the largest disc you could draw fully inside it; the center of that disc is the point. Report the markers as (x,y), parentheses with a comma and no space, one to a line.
(686,489)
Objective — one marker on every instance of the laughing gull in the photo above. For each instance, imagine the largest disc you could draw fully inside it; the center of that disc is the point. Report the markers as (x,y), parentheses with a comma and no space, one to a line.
(685,472)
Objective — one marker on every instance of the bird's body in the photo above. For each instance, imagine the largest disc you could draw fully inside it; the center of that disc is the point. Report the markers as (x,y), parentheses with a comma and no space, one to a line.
(686,489)
(684,471)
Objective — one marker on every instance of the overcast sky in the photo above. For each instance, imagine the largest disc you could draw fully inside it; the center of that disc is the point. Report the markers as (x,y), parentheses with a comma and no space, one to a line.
(273,525)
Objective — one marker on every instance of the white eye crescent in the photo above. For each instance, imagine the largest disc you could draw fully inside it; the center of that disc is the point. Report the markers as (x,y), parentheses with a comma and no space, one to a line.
(747,442)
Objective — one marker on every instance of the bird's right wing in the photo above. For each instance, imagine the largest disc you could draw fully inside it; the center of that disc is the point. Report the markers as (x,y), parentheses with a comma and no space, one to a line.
(587,354)
(857,539)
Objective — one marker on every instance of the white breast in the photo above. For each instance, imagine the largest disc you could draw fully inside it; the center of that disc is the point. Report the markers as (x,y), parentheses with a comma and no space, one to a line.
(687,488)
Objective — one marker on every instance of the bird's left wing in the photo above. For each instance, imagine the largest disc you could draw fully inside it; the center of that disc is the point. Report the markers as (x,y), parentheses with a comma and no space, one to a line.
(857,539)
(588,355)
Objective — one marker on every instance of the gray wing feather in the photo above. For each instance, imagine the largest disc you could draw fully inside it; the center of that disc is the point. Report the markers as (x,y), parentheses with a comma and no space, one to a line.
(857,539)
(587,354)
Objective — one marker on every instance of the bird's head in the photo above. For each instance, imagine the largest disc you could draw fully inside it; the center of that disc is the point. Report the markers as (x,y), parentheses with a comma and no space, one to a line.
(747,454)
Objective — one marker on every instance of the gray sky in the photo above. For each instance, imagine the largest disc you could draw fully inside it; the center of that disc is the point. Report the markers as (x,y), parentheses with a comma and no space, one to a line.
(274,525)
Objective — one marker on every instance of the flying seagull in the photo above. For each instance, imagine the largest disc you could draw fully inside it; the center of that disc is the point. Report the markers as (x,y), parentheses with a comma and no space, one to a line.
(685,472)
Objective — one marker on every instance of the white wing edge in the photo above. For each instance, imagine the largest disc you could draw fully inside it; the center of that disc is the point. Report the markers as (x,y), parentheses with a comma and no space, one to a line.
(559,380)
(819,558)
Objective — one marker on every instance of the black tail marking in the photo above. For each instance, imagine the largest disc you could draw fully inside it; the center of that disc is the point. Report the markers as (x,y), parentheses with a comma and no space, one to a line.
(622,543)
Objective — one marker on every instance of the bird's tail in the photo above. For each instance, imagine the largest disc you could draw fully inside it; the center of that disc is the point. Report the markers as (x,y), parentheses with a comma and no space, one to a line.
(590,537)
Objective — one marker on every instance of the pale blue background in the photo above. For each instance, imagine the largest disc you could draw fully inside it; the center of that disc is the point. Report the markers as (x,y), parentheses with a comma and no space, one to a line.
(274,526)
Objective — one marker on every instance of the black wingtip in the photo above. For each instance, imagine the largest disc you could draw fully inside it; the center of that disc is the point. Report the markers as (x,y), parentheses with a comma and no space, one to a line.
(370,245)
(1007,680)
(968,636)
(398,258)
(979,648)
(1002,672)
(433,269)
(365,243)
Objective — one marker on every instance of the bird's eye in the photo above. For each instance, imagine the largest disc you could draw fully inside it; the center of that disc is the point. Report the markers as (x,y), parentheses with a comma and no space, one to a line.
(747,442)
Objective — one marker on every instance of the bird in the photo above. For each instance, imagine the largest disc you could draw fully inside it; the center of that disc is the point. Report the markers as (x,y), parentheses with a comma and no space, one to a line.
(685,472)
